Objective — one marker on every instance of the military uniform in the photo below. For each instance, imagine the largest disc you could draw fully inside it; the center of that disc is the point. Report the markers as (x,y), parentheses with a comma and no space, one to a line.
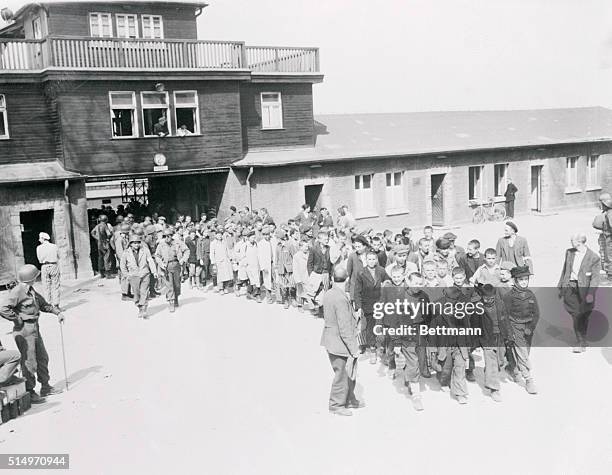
(170,258)
(23,306)
(603,222)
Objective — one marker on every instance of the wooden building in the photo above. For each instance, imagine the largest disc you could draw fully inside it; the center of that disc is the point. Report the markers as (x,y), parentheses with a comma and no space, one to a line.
(413,169)
(83,86)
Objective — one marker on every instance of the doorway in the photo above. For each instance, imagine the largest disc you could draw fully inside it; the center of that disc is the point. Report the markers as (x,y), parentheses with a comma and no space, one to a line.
(32,223)
(437,199)
(312,195)
(536,188)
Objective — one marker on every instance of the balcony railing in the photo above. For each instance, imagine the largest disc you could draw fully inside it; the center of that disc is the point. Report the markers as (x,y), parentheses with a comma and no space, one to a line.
(119,53)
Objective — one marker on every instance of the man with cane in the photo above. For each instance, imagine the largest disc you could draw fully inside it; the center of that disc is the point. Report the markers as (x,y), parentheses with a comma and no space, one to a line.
(23,306)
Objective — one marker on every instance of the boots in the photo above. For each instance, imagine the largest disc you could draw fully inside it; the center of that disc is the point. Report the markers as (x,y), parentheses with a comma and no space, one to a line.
(415,390)
(530,386)
(171,306)
(261,296)
(285,295)
(143,311)
(271,298)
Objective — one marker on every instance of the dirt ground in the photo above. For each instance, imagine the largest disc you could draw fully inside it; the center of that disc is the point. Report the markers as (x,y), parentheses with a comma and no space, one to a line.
(226,386)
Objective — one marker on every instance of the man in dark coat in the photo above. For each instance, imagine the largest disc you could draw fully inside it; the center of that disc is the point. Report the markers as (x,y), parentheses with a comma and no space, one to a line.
(103,235)
(510,196)
(339,338)
(577,285)
(367,293)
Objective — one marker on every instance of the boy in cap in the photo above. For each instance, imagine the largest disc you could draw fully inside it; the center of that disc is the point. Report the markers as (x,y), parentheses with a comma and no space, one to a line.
(221,262)
(203,255)
(252,265)
(240,258)
(300,272)
(138,265)
(523,315)
(284,267)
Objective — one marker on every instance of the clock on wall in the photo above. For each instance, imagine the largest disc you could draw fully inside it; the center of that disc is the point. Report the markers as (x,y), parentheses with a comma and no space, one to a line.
(159,161)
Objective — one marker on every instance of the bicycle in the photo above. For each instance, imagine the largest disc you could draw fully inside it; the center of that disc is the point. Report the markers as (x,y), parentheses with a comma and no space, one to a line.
(488,211)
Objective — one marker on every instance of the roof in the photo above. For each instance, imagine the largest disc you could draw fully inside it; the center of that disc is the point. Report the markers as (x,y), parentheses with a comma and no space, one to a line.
(35,171)
(353,136)
(30,5)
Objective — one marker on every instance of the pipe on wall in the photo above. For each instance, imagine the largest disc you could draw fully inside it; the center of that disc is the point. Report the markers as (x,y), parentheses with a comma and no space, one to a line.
(68,211)
(248,181)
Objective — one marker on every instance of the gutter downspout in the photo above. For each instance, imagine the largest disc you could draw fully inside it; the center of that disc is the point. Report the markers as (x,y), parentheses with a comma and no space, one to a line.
(248,181)
(68,210)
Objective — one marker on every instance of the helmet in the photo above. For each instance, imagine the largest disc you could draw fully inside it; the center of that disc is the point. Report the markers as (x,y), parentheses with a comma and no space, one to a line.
(125,228)
(606,199)
(168,232)
(150,229)
(28,273)
(135,238)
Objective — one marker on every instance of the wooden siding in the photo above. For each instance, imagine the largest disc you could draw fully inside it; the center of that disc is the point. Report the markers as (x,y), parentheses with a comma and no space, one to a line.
(298,119)
(73,20)
(89,148)
(30,125)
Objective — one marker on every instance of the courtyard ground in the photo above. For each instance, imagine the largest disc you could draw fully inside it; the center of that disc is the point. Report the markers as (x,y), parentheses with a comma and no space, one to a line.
(227,386)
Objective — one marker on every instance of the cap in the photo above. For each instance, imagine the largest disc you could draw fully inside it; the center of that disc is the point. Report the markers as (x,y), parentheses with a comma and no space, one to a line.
(401,249)
(44,236)
(450,236)
(486,290)
(168,232)
(507,265)
(512,225)
(520,271)
(150,229)
(135,238)
(281,234)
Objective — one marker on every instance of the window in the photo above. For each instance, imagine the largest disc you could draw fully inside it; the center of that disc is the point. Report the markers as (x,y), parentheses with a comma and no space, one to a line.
(154,108)
(37,28)
(572,172)
(395,191)
(127,26)
(123,114)
(152,27)
(271,110)
(593,170)
(475,183)
(100,25)
(186,112)
(4,133)
(499,179)
(364,195)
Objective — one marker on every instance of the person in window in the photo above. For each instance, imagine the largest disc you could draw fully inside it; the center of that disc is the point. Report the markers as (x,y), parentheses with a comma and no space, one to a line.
(161,127)
(183,131)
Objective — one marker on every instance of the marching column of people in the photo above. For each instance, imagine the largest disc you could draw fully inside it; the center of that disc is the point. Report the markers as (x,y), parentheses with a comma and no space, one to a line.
(302,261)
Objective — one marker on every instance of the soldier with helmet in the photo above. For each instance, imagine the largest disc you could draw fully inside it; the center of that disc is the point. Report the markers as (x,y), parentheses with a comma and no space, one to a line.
(138,265)
(603,222)
(23,306)
(122,242)
(170,255)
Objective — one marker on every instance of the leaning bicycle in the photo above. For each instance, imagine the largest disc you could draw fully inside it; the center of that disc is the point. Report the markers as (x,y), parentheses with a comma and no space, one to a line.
(487,211)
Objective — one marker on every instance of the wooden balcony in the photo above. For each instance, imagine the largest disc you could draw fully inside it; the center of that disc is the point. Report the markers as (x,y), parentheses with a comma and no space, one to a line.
(72,53)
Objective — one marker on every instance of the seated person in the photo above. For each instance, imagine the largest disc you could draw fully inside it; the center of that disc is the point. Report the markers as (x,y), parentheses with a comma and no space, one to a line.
(9,361)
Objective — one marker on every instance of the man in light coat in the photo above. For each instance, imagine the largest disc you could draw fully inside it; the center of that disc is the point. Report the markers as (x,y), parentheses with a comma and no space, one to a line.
(577,285)
(137,265)
(340,341)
